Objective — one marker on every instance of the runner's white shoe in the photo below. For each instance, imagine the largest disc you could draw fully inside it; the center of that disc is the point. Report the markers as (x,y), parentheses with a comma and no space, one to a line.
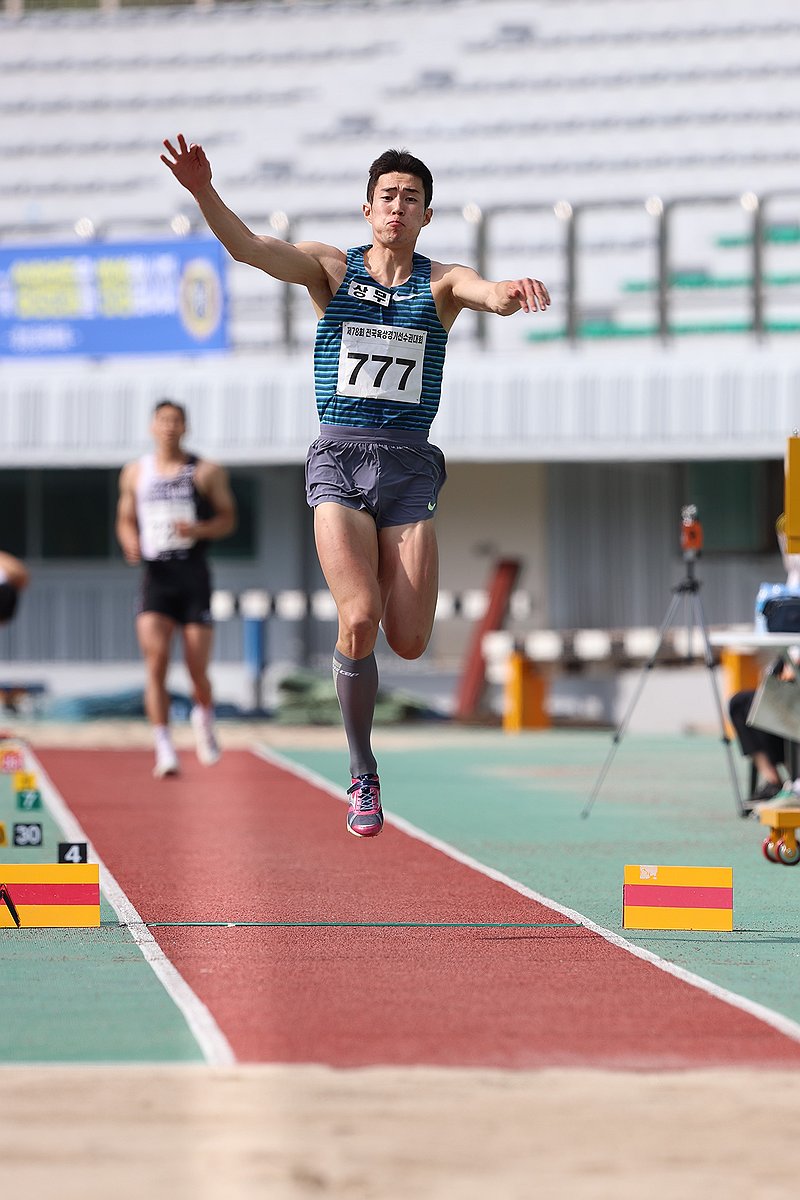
(166,761)
(208,750)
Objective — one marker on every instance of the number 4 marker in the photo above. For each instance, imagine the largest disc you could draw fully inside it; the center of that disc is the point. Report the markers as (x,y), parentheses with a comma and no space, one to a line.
(72,852)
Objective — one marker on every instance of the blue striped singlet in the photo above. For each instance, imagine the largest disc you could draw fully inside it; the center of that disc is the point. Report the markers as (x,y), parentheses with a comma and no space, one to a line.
(379,352)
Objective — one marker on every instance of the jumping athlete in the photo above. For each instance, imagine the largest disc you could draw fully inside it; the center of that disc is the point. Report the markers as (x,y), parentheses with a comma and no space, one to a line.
(372,477)
(171,504)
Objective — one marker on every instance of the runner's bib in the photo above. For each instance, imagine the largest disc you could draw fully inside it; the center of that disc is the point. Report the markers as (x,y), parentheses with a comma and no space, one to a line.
(158,520)
(381,362)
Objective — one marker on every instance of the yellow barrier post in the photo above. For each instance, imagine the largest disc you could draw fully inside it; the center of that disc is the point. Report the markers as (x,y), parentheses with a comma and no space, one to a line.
(741,673)
(525,695)
(791,496)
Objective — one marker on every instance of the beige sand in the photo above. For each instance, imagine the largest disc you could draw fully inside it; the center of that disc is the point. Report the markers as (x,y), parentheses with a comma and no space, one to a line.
(291,1133)
(233,735)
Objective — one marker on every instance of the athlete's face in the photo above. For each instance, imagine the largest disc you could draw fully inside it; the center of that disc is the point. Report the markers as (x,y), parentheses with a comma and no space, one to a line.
(397,212)
(168,428)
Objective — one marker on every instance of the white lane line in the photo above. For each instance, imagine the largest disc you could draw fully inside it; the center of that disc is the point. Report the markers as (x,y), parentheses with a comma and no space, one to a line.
(783,1024)
(212,1041)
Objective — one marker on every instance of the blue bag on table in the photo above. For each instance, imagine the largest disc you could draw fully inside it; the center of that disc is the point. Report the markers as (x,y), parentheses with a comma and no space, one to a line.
(777,609)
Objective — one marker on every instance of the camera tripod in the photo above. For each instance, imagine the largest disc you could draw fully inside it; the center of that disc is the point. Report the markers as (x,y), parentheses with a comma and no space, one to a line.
(689,590)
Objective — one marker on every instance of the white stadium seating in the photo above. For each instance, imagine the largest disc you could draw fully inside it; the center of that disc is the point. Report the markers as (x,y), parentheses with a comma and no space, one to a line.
(512,103)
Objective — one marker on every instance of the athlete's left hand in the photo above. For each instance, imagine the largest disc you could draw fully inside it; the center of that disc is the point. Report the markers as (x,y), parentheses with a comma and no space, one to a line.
(186,529)
(188,164)
(530,295)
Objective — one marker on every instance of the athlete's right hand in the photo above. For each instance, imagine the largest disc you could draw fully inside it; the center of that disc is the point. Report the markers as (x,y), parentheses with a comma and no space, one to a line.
(188,164)
(131,550)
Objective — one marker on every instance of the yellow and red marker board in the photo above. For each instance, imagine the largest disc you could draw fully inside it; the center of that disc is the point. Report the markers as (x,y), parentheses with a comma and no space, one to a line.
(49,895)
(678,898)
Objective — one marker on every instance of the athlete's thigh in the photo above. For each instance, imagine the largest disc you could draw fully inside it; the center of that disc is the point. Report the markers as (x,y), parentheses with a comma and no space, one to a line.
(154,631)
(409,580)
(347,546)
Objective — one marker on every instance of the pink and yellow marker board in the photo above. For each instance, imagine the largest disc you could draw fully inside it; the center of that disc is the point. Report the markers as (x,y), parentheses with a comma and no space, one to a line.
(49,895)
(678,898)
(12,759)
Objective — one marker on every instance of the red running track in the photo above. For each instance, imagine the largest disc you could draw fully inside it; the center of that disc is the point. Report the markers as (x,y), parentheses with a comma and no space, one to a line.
(247,840)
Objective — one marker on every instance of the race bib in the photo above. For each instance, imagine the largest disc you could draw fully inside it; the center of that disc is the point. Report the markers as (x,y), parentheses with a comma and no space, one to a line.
(381,362)
(159,518)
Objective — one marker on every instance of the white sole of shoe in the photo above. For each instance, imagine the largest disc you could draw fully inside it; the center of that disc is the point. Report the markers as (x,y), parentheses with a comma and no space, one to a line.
(208,760)
(207,754)
(166,772)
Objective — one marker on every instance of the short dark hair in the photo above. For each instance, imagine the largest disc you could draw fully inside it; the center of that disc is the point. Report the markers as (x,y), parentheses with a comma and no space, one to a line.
(405,162)
(170,404)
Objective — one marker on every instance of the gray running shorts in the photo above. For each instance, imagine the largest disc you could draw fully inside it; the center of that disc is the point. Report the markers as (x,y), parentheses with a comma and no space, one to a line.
(395,476)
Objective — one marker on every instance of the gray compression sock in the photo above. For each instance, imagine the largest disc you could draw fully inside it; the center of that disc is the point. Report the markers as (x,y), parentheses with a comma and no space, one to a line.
(356,683)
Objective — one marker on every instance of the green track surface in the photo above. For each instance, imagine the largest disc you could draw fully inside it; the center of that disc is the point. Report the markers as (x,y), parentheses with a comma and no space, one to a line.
(514,802)
(80,995)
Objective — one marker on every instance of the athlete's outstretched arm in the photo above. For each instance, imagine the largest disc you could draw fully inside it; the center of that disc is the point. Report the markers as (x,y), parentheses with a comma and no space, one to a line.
(281,260)
(470,290)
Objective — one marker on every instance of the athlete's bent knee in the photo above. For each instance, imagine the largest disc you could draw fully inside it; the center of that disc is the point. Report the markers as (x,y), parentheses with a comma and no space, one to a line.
(360,624)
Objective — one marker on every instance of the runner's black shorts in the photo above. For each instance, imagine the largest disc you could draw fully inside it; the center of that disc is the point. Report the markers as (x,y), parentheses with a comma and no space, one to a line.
(394,475)
(177,588)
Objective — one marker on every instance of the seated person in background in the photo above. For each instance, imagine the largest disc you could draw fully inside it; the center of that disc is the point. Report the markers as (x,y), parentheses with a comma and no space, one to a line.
(13,578)
(766,750)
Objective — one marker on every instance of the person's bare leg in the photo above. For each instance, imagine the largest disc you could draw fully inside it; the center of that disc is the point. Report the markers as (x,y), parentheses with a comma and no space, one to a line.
(409,581)
(766,767)
(154,632)
(347,546)
(197,643)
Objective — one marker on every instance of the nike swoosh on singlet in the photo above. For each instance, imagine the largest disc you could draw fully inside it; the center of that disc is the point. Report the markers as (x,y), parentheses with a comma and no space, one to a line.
(413,296)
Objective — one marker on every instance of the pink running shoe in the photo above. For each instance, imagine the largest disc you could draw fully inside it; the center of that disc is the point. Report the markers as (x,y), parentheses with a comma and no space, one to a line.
(365,815)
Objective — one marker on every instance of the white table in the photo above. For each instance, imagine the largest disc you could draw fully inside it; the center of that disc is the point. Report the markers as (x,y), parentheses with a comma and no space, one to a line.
(739,639)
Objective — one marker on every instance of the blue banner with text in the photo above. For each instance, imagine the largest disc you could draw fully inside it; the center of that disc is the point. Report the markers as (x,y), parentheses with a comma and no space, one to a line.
(98,299)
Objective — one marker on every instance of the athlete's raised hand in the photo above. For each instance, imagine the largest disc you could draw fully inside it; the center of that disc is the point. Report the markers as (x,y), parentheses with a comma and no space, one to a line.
(530,295)
(188,164)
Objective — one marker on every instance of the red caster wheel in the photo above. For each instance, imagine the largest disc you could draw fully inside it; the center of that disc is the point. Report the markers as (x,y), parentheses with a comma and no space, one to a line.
(790,857)
(770,851)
